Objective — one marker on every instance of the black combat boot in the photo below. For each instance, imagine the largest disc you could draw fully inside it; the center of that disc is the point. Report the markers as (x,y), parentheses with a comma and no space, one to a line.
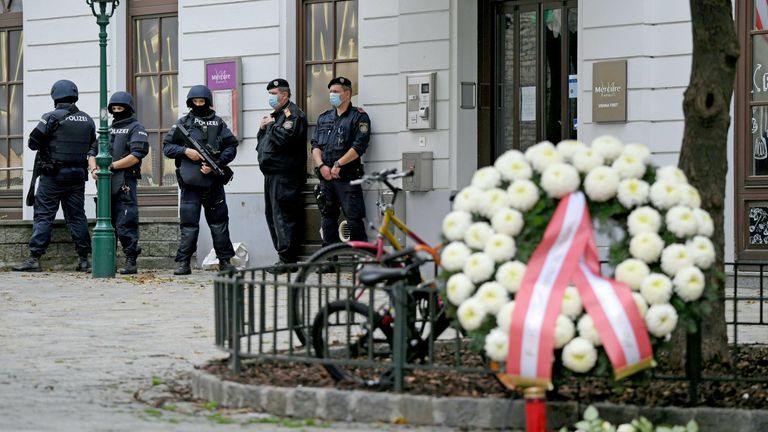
(130,266)
(83,265)
(225,265)
(183,268)
(31,264)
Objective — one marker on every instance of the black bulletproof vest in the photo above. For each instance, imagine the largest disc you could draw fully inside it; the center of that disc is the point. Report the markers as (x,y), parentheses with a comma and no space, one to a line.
(120,137)
(205,130)
(72,137)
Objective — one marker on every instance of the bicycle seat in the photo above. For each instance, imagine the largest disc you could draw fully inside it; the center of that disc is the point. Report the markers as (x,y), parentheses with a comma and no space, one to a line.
(370,276)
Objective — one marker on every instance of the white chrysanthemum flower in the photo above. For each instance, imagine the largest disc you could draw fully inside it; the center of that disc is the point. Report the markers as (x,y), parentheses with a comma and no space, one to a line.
(454,256)
(608,146)
(702,250)
(497,345)
(486,178)
(587,160)
(455,224)
(639,151)
(681,222)
(579,355)
(644,220)
(523,195)
(588,331)
(543,155)
(633,192)
(471,314)
(564,331)
(508,221)
(504,316)
(477,235)
(628,166)
(459,288)
(674,258)
(571,306)
(646,246)
(493,201)
(513,166)
(689,283)
(626,427)
(671,174)
(468,199)
(493,296)
(500,247)
(559,180)
(704,222)
(479,267)
(569,148)
(661,319)
(689,196)
(601,184)
(632,272)
(665,194)
(656,289)
(510,275)
(642,305)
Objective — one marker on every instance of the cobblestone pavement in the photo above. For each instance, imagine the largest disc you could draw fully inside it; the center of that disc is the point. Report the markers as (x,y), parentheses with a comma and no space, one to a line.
(74,351)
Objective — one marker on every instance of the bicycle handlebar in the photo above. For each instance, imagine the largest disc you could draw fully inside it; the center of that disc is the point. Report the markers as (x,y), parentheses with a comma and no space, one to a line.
(384,176)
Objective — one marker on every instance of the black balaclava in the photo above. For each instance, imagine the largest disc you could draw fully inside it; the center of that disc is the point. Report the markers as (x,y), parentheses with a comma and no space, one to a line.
(122,115)
(201,111)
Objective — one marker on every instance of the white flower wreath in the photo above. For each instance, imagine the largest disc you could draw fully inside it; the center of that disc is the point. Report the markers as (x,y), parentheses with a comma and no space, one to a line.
(663,254)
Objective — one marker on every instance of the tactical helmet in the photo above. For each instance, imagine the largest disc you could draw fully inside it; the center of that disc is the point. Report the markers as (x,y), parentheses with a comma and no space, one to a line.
(199,91)
(64,89)
(121,98)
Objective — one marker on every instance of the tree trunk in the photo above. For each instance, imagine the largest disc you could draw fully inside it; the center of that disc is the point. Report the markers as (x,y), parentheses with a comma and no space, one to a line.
(703,156)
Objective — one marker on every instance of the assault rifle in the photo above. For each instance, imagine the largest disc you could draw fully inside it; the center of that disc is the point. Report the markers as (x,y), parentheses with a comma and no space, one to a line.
(225,173)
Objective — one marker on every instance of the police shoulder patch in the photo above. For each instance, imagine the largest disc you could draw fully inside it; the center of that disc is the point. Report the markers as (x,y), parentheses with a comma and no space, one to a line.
(360,109)
(363,127)
(288,124)
(287,112)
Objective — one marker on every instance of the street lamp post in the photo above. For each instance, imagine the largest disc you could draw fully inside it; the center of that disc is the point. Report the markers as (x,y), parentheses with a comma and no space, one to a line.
(103,233)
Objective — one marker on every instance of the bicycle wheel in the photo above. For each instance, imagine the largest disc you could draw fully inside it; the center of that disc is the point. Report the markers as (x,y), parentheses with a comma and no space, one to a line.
(348,330)
(311,290)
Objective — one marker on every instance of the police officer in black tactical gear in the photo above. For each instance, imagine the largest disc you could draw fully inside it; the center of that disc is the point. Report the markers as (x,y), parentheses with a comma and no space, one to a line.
(129,144)
(283,161)
(62,139)
(199,185)
(340,139)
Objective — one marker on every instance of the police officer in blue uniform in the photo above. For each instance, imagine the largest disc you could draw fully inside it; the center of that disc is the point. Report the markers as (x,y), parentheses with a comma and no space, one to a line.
(129,144)
(282,141)
(340,139)
(62,138)
(200,187)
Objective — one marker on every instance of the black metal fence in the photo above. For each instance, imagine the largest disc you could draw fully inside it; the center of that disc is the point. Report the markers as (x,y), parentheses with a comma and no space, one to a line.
(362,336)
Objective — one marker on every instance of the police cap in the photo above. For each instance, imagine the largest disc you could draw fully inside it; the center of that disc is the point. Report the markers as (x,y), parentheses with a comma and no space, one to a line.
(121,98)
(199,91)
(342,81)
(277,82)
(63,89)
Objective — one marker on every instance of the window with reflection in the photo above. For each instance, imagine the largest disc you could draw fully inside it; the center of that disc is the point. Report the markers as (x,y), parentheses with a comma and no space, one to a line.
(11,107)
(155,87)
(329,49)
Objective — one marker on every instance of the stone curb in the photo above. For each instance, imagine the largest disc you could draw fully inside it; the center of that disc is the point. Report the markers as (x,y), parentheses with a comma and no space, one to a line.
(460,412)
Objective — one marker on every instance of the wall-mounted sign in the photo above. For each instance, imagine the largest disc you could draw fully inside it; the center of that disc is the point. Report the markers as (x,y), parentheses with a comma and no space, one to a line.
(609,91)
(224,78)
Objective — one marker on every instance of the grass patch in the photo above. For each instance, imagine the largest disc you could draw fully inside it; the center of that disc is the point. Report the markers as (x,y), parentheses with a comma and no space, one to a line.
(210,406)
(156,380)
(169,407)
(289,423)
(156,413)
(220,419)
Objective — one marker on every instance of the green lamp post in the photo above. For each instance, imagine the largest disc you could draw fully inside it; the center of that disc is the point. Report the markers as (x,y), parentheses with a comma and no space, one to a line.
(103,233)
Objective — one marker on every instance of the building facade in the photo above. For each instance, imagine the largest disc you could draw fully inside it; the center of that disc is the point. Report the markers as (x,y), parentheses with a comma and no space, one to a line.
(506,74)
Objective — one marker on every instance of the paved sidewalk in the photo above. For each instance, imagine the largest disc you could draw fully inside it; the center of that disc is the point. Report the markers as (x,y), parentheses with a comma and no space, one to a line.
(74,350)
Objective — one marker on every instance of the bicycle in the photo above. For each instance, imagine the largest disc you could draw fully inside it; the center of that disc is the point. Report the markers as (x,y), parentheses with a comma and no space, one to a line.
(351,256)
(367,334)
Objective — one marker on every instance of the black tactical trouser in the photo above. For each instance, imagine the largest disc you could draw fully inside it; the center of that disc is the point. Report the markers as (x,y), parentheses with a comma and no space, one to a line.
(214,205)
(285,214)
(350,198)
(125,218)
(68,189)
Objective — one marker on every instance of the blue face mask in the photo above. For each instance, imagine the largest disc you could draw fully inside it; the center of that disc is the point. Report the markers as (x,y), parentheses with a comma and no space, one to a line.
(273,100)
(335,99)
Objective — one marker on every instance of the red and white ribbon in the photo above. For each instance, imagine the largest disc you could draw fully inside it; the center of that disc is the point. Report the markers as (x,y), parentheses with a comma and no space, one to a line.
(567,253)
